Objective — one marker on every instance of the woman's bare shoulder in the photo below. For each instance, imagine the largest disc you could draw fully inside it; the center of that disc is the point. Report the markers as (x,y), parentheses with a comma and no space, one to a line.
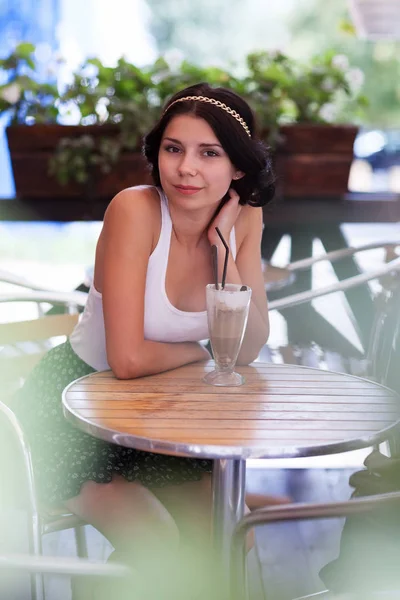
(133,214)
(134,201)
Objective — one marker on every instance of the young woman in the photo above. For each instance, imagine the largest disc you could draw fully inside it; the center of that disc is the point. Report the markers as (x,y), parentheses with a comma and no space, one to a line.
(146,313)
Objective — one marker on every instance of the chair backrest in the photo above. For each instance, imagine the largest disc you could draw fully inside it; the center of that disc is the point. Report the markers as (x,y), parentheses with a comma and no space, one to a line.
(392,379)
(17,479)
(384,351)
(24,342)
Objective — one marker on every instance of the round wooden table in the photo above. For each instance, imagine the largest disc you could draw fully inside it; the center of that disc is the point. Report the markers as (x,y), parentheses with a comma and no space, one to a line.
(281,411)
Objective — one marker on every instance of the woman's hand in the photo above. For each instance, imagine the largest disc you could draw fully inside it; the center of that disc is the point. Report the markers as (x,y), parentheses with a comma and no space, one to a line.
(225,219)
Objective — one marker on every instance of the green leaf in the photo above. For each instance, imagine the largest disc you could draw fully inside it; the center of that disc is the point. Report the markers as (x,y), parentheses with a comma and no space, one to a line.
(24,50)
(346,26)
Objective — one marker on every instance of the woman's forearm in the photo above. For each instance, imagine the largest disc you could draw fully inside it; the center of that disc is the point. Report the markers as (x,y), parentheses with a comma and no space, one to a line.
(156,357)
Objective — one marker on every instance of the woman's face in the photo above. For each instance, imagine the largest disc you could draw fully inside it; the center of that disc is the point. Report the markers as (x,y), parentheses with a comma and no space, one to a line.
(195,171)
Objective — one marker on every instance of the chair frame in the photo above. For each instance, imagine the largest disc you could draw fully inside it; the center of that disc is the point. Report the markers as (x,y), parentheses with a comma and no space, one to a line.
(42,521)
(390,270)
(291,512)
(71,300)
(61,565)
(18,280)
(37,566)
(302,297)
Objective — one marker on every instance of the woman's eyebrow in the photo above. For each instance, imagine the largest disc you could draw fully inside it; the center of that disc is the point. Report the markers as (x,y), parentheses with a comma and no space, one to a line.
(210,144)
(173,140)
(203,145)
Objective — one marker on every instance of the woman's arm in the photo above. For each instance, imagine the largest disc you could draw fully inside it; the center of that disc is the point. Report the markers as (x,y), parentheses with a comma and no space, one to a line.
(127,240)
(247,270)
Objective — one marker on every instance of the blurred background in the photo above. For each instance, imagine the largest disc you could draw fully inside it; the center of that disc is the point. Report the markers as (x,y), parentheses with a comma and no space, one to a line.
(220,33)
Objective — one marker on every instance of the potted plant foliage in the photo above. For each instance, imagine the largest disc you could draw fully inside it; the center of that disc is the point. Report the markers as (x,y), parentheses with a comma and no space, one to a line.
(112,107)
(305,111)
(101,153)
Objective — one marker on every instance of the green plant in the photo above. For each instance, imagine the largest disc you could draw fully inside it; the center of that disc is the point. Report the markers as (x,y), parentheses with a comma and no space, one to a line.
(23,96)
(75,159)
(284,90)
(280,89)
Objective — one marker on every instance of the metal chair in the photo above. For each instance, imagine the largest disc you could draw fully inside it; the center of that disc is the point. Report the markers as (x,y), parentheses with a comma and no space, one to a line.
(323,357)
(290,512)
(391,265)
(383,366)
(24,343)
(18,280)
(15,564)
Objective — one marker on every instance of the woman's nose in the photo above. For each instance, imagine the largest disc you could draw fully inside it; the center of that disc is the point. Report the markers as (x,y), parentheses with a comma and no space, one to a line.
(188,165)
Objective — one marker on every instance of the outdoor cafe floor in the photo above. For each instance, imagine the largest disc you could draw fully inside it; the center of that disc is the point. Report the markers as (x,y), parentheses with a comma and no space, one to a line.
(287,557)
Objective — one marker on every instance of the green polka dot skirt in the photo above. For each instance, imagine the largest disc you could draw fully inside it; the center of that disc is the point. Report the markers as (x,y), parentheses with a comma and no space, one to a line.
(65,457)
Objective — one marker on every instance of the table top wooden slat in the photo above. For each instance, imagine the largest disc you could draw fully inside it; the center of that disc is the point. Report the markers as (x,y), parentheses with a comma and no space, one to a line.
(204,401)
(257,389)
(281,410)
(200,418)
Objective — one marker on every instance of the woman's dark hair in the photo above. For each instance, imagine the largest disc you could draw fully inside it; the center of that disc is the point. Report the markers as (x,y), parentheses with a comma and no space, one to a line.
(247,154)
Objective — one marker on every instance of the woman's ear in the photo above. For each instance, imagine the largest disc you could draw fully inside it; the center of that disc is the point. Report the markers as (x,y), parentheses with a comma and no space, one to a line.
(238,175)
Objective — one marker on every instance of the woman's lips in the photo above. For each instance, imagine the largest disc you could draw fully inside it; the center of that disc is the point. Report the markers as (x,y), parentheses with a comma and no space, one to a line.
(187,190)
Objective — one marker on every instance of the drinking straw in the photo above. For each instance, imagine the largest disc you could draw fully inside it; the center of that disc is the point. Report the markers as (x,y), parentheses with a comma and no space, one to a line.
(214,251)
(226,257)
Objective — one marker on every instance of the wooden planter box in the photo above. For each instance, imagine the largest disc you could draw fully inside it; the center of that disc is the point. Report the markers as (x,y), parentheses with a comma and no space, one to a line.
(314,160)
(32,146)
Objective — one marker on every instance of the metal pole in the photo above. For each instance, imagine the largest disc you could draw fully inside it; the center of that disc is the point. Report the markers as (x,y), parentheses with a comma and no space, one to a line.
(229,480)
(238,581)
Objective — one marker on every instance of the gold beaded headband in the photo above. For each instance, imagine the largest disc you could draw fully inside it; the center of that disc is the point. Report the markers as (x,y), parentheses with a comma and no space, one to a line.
(229,110)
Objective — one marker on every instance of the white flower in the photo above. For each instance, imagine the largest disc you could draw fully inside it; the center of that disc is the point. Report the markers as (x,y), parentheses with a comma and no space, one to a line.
(328,84)
(101,109)
(340,61)
(327,112)
(355,79)
(11,93)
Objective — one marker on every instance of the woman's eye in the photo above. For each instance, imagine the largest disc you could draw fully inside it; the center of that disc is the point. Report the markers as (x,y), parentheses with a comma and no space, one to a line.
(211,153)
(172,149)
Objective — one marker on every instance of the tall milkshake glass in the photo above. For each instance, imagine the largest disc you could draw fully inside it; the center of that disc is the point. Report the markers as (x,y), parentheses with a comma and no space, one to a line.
(227,313)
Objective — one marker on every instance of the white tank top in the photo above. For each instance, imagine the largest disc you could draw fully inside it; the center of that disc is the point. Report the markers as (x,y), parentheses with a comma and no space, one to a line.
(162,321)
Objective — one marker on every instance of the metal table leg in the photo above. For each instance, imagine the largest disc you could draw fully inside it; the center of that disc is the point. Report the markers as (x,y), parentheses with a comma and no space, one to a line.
(228,483)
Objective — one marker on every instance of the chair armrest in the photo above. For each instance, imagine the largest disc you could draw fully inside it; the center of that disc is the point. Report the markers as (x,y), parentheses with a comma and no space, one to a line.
(61,565)
(335,255)
(291,512)
(13,279)
(57,298)
(302,297)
